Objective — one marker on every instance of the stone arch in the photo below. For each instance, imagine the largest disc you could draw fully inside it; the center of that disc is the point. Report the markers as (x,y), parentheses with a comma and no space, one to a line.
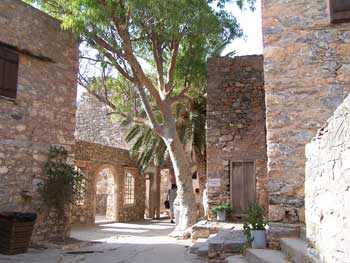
(92,159)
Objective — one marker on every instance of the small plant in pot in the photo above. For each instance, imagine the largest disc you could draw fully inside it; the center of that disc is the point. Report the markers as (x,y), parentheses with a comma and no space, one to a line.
(220,211)
(254,226)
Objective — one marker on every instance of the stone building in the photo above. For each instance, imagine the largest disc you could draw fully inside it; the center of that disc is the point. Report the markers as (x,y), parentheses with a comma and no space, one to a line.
(93,124)
(307,75)
(128,184)
(236,145)
(327,185)
(38,69)
(114,187)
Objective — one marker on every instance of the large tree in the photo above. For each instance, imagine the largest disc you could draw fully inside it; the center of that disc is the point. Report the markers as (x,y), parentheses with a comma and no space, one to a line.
(143,40)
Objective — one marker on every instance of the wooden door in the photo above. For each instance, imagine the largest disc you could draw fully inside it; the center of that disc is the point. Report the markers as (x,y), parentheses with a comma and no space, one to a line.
(242,185)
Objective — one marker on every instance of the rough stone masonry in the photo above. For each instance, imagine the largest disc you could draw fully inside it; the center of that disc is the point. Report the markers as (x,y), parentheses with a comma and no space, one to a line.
(42,114)
(327,190)
(235,123)
(307,75)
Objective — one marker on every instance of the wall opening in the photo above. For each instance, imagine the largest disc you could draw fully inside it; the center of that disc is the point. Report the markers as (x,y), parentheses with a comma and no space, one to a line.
(105,196)
(243,185)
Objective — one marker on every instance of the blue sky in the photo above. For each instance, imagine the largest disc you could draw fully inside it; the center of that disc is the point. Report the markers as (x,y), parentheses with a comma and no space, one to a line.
(251,25)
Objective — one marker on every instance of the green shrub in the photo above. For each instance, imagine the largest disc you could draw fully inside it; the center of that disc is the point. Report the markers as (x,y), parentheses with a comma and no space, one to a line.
(222,207)
(64,184)
(254,219)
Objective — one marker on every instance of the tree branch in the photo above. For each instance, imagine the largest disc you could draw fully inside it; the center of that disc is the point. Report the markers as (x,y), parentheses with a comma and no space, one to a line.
(137,120)
(172,64)
(157,55)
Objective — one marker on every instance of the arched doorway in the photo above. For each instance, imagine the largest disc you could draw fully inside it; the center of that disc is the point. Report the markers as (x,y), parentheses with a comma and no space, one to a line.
(105,206)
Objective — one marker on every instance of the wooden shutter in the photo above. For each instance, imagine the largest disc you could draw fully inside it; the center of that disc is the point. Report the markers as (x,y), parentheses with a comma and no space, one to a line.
(242,184)
(339,11)
(8,72)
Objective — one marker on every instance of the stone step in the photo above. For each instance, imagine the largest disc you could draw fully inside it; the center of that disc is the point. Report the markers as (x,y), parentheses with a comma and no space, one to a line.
(303,233)
(295,249)
(236,259)
(194,248)
(227,241)
(202,251)
(266,256)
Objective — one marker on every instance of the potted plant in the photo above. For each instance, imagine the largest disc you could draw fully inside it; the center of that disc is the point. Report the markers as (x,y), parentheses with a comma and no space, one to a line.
(16,230)
(254,226)
(220,211)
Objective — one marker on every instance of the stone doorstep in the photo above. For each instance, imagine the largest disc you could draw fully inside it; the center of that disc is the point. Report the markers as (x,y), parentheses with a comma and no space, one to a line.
(226,241)
(302,234)
(266,256)
(194,248)
(203,247)
(236,259)
(295,249)
(203,250)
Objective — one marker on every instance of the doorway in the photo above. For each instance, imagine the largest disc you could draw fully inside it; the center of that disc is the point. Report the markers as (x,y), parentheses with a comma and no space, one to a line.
(242,185)
(105,208)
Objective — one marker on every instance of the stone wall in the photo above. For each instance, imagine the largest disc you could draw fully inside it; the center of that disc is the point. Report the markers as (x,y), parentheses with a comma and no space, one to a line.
(105,201)
(42,114)
(235,121)
(307,75)
(327,185)
(92,158)
(94,125)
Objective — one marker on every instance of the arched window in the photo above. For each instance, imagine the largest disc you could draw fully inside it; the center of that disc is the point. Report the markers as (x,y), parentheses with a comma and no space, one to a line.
(129,195)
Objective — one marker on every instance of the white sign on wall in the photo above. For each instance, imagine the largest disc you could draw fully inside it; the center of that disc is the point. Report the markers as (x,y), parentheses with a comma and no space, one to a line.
(214,182)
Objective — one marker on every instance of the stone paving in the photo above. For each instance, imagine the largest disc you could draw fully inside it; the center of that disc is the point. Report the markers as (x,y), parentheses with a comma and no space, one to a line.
(146,241)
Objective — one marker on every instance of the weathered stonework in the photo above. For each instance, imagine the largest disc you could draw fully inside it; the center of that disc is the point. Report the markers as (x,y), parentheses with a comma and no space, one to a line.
(327,185)
(42,114)
(94,125)
(105,198)
(235,122)
(307,75)
(92,158)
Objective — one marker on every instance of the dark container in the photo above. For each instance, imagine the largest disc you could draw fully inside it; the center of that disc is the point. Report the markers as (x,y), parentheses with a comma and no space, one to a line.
(15,232)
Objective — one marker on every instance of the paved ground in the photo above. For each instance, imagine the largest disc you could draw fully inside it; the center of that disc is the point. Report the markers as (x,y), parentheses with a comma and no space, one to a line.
(144,242)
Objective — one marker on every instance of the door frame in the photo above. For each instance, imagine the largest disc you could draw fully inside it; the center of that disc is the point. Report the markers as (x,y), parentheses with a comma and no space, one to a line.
(245,160)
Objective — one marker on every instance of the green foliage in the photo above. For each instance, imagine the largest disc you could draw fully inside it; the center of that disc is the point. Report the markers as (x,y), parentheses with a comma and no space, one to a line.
(147,146)
(204,27)
(64,184)
(254,219)
(222,207)
(150,149)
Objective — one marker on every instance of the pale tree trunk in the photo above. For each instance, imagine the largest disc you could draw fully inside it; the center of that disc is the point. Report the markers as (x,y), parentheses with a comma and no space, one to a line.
(184,183)
(201,162)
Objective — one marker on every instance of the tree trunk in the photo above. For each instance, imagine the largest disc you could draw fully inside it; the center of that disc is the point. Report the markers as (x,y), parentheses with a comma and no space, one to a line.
(184,182)
(201,162)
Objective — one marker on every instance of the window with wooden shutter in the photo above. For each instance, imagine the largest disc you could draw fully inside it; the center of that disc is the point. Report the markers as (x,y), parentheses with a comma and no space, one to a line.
(8,72)
(339,11)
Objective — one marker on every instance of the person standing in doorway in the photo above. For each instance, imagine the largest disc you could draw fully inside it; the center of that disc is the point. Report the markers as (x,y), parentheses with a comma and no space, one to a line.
(172,193)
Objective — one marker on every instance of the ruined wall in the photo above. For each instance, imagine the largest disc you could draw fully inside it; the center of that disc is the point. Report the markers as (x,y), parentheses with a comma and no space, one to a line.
(42,114)
(94,125)
(327,189)
(105,200)
(307,74)
(92,158)
(235,121)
